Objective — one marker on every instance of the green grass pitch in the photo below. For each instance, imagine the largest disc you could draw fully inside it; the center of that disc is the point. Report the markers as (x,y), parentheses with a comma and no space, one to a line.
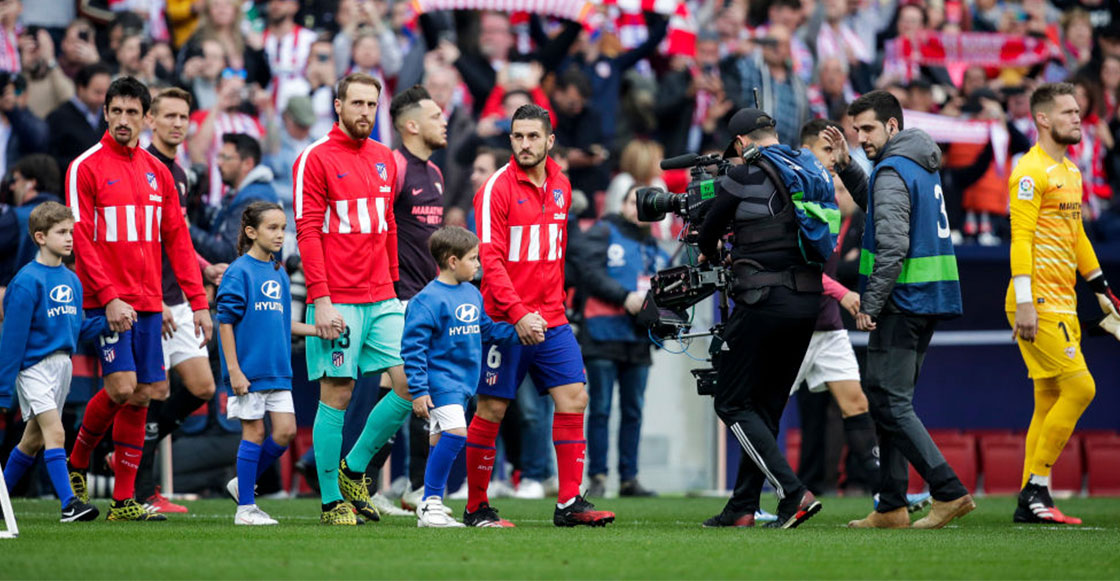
(652,539)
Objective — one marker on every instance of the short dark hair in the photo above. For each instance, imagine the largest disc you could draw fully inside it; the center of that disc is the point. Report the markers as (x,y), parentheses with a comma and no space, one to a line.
(517,92)
(533,111)
(43,169)
(88,72)
(406,101)
(359,78)
(811,130)
(791,4)
(129,88)
(1047,93)
(246,146)
(573,77)
(882,102)
(451,241)
(46,215)
(499,154)
(172,93)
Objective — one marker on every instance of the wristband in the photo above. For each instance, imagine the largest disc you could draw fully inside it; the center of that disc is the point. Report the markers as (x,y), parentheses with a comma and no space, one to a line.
(1022,289)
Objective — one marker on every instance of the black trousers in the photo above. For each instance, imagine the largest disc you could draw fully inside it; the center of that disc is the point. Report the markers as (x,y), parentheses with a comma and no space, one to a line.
(895,352)
(755,376)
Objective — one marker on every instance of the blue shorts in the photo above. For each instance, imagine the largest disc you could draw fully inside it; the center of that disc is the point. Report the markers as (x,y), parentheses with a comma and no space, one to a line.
(555,362)
(139,349)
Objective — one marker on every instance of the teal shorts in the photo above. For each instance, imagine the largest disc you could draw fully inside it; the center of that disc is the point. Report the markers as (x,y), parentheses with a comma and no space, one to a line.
(370,344)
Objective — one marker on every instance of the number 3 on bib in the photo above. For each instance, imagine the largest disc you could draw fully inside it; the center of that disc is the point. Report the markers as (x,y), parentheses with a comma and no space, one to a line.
(942,231)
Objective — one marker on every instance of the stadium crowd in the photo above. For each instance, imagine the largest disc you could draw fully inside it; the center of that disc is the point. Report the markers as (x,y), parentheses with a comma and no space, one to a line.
(625,88)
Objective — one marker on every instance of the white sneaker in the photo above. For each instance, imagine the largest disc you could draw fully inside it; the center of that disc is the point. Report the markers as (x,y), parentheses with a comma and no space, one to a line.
(432,513)
(530,489)
(499,489)
(411,500)
(386,506)
(551,486)
(462,494)
(233,490)
(251,515)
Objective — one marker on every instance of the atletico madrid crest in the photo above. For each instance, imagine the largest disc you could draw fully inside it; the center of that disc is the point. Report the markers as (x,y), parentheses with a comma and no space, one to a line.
(381,173)
(491,377)
(152,180)
(337,358)
(109,355)
(558,197)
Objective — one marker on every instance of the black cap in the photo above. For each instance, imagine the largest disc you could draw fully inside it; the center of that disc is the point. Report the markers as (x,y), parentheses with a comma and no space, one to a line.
(743,122)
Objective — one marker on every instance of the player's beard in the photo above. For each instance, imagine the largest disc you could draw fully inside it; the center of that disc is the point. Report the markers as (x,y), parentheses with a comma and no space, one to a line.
(537,159)
(355,130)
(438,142)
(1071,138)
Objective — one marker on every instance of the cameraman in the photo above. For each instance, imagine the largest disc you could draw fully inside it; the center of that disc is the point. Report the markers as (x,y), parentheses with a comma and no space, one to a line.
(777,295)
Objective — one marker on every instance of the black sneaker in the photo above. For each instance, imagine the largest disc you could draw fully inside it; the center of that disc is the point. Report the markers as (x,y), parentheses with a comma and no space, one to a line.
(725,519)
(581,512)
(77,510)
(598,487)
(635,489)
(1036,506)
(485,516)
(790,517)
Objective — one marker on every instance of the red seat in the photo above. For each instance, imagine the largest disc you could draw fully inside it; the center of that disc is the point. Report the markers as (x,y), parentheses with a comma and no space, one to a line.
(793,448)
(1069,470)
(960,451)
(301,444)
(1102,461)
(1001,461)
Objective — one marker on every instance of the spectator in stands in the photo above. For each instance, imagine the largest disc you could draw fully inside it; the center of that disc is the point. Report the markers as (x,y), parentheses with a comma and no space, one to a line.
(182,17)
(284,143)
(486,163)
(639,166)
(356,18)
(248,181)
(221,20)
(321,80)
(441,82)
(208,127)
(78,123)
(47,86)
(35,179)
(835,38)
(201,73)
(829,98)
(1110,87)
(782,92)
(691,99)
(21,132)
(789,14)
(579,128)
(78,49)
(9,39)
(288,47)
(128,54)
(616,254)
(1090,154)
(1077,39)
(919,96)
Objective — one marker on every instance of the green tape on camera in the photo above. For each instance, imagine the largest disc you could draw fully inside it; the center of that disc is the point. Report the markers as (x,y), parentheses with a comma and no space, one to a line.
(707,189)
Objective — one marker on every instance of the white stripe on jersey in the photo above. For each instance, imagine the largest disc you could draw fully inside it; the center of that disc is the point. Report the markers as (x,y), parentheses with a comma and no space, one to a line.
(110,224)
(534,253)
(486,191)
(327,221)
(298,194)
(342,207)
(73,181)
(382,225)
(364,225)
(130,223)
(514,243)
(149,212)
(553,243)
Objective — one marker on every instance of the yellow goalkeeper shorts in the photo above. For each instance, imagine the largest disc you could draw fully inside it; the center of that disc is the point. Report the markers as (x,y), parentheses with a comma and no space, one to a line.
(1057,346)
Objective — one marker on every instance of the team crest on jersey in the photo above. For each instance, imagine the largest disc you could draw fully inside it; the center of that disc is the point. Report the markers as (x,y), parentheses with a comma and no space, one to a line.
(381,173)
(1071,352)
(109,354)
(491,377)
(337,358)
(1026,188)
(152,180)
(558,197)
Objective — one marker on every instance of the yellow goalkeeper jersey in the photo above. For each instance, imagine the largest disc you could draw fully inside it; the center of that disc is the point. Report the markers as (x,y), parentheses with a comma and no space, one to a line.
(1048,240)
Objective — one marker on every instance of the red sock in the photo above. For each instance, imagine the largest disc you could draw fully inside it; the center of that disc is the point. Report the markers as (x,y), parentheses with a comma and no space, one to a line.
(481,436)
(567,436)
(100,412)
(128,447)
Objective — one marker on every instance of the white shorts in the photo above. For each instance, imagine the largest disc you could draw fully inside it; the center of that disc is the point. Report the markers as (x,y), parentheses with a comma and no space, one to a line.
(44,386)
(182,345)
(829,358)
(253,405)
(448,417)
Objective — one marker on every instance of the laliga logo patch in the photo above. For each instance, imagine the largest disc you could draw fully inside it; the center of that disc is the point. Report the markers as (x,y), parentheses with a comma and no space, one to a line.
(337,358)
(466,313)
(271,289)
(381,173)
(1026,188)
(558,197)
(62,294)
(152,180)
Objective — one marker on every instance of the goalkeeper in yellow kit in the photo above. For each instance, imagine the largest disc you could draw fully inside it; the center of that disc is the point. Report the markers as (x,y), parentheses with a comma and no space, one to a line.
(1048,249)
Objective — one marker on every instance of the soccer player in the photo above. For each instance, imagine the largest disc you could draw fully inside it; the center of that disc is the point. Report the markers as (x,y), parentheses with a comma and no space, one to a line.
(41,331)
(908,282)
(125,209)
(445,327)
(347,239)
(168,119)
(522,216)
(256,326)
(1048,249)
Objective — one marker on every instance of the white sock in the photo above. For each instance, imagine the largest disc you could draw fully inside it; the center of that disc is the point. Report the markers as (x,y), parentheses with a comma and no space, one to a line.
(566,504)
(1040,480)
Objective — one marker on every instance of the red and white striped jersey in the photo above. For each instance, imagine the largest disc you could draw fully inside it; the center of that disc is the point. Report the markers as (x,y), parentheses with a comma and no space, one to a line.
(225,123)
(287,59)
(126,207)
(343,204)
(523,229)
(9,51)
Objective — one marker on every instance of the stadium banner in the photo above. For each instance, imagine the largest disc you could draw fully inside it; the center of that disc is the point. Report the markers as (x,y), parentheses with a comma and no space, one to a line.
(985,49)
(578,10)
(945,129)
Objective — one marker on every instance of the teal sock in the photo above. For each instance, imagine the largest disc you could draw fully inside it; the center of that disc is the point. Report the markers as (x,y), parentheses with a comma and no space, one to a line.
(326,435)
(384,421)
